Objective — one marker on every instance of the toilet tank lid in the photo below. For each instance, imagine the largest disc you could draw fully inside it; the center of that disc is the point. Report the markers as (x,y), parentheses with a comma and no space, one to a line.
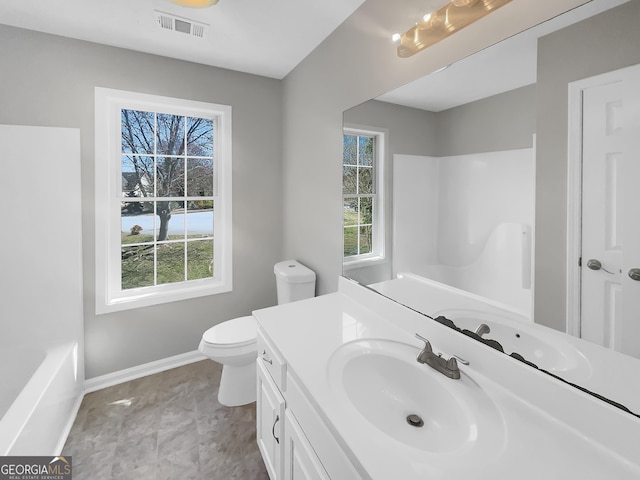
(292,271)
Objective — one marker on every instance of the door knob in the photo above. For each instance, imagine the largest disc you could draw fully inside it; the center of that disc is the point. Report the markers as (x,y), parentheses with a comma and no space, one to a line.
(594,264)
(634,273)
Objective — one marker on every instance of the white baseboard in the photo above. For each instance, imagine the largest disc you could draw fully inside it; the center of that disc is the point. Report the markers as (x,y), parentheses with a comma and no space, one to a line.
(69,424)
(121,376)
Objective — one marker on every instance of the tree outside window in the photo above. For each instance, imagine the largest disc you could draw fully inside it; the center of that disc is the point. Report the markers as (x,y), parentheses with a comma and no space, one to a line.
(168,183)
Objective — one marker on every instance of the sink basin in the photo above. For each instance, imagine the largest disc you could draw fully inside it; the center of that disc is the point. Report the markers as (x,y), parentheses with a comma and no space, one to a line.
(545,350)
(382,381)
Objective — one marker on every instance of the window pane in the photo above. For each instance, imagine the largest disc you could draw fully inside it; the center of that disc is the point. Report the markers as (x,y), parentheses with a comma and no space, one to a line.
(366,210)
(359,192)
(170,177)
(365,180)
(170,263)
(137,222)
(199,177)
(137,131)
(349,180)
(137,266)
(199,137)
(349,150)
(350,241)
(170,134)
(366,239)
(137,176)
(199,259)
(365,151)
(350,210)
(170,221)
(200,222)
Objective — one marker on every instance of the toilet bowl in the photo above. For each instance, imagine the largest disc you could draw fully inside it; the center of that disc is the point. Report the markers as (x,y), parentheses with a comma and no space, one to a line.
(233,342)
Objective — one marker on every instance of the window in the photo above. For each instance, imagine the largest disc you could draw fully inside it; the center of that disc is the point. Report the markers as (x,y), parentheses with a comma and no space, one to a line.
(163,199)
(362,164)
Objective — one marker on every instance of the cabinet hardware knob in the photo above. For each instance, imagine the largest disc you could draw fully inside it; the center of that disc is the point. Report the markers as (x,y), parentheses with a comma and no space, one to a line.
(273,429)
(266,358)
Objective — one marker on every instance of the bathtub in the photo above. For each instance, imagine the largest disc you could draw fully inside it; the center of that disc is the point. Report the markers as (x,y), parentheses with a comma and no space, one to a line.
(40,394)
(501,273)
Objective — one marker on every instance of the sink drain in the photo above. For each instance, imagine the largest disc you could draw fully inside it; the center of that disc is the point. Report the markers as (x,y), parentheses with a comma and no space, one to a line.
(415,420)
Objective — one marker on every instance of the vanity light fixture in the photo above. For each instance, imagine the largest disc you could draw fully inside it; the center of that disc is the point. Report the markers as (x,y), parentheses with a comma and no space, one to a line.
(196,3)
(438,25)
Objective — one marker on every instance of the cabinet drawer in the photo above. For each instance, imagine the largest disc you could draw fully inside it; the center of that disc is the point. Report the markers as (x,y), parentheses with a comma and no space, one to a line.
(272,361)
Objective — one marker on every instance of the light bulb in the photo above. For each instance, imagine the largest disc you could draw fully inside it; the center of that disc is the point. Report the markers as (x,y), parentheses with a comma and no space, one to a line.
(195,3)
(464,3)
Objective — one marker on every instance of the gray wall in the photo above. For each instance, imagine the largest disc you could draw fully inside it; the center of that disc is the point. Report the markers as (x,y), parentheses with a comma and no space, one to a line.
(603,43)
(49,81)
(411,131)
(356,63)
(502,122)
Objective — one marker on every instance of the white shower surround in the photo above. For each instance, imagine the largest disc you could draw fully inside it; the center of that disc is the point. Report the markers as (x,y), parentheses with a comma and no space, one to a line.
(41,333)
(467,220)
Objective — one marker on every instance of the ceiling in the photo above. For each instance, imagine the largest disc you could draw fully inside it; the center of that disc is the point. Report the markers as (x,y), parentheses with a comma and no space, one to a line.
(505,66)
(270,37)
(262,37)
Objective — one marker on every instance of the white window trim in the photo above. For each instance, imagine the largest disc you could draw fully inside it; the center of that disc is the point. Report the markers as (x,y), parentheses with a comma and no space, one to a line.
(108,197)
(377,256)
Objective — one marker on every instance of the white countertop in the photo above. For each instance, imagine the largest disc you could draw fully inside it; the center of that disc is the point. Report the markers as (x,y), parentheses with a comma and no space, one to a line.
(544,429)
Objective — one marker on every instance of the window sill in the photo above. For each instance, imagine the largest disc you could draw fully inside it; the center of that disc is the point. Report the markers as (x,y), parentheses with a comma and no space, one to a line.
(363,262)
(159,296)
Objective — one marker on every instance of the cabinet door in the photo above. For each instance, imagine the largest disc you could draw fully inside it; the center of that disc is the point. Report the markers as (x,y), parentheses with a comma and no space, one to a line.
(270,423)
(300,461)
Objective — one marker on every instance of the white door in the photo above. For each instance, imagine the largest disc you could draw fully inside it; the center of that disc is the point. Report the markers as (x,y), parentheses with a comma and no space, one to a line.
(610,297)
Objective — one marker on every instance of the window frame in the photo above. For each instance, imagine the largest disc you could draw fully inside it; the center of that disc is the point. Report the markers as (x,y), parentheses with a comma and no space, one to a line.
(108,198)
(377,254)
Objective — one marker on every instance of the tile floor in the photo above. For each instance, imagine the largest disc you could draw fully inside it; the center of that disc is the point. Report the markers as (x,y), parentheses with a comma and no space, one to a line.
(165,426)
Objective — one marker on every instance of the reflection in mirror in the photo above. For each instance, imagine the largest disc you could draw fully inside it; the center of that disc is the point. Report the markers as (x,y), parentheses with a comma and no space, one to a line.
(476,163)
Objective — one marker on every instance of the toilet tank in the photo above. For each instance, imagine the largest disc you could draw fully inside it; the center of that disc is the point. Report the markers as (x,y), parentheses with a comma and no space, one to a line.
(294,281)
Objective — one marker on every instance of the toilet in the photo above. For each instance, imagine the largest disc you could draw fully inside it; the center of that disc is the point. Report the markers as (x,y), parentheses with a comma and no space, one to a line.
(233,343)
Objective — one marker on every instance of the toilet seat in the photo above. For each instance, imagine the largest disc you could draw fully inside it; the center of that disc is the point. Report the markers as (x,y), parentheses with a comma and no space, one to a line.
(238,332)
(234,343)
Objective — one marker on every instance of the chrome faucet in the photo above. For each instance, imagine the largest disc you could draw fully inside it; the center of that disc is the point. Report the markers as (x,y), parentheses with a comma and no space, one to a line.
(446,367)
(482,329)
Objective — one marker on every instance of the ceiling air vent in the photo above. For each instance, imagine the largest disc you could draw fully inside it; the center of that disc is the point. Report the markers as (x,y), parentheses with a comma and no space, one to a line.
(167,21)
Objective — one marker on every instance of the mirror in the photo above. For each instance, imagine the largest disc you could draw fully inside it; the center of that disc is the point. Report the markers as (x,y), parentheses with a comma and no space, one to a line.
(460,152)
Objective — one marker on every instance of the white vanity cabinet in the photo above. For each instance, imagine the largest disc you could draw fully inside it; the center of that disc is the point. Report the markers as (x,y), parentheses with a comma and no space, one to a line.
(343,358)
(270,423)
(286,451)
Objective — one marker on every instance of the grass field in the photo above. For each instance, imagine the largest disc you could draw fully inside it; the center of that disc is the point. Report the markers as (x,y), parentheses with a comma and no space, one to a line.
(350,238)
(137,261)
